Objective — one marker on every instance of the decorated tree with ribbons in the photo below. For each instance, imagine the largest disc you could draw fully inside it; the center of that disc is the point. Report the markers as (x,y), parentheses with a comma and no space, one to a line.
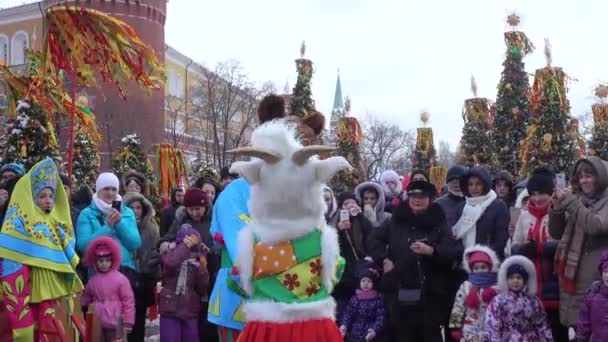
(173,168)
(133,157)
(476,143)
(301,102)
(552,135)
(201,168)
(511,119)
(424,156)
(349,136)
(598,146)
(86,159)
(30,136)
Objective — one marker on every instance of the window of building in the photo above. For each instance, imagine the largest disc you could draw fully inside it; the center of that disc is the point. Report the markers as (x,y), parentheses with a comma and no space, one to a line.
(19,43)
(4,48)
(175,83)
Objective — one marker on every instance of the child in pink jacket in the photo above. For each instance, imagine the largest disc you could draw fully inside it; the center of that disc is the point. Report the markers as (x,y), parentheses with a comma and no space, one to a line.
(108,290)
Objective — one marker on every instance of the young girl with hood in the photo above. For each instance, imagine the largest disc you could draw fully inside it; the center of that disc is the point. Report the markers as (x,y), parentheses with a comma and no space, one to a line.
(185,281)
(516,313)
(475,294)
(371,195)
(592,318)
(393,189)
(363,318)
(108,290)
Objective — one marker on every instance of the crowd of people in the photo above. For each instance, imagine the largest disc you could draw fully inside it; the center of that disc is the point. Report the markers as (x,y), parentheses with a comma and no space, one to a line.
(486,258)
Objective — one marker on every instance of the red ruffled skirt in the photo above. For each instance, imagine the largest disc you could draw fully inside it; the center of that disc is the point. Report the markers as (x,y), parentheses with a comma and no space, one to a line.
(322,330)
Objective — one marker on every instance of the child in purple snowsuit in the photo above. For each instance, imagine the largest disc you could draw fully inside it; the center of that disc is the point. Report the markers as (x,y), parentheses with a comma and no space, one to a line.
(591,325)
(516,314)
(185,281)
(363,318)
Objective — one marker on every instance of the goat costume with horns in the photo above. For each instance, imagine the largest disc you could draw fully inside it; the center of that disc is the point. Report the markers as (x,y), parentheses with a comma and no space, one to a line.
(288,259)
(230,215)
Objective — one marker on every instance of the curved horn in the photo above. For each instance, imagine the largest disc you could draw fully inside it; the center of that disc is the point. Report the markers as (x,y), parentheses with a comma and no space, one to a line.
(267,156)
(301,156)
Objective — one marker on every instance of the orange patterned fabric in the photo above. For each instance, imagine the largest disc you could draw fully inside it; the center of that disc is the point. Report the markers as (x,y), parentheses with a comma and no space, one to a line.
(271,259)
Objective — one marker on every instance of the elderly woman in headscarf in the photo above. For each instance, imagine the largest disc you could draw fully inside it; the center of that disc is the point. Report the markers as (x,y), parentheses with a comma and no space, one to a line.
(38,258)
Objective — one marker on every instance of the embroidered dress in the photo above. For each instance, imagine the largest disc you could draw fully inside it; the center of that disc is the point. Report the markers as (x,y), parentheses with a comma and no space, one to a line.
(287,277)
(38,259)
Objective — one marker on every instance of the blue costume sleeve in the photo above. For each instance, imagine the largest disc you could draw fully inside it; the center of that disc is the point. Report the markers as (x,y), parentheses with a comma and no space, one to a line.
(231,214)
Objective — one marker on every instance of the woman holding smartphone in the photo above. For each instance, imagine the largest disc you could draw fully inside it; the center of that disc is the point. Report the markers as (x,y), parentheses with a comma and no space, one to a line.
(107,216)
(416,250)
(353,229)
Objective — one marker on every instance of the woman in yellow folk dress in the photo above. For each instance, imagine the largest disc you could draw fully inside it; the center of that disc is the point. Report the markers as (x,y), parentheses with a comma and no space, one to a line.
(37,255)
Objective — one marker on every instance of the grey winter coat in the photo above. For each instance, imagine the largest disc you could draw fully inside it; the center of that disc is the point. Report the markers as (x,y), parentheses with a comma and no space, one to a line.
(378,217)
(570,211)
(147,258)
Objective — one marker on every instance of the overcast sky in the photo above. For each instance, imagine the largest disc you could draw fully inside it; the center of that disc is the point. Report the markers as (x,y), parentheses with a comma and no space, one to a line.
(396,58)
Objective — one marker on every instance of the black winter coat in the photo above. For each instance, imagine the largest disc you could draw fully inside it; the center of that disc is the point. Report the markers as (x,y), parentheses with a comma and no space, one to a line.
(452,205)
(492,227)
(392,241)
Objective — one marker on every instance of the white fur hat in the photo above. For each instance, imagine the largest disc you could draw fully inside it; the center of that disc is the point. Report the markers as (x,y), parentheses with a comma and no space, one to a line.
(483,249)
(526,264)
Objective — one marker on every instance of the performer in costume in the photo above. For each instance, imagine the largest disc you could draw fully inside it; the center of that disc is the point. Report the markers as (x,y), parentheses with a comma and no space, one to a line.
(230,215)
(37,251)
(288,258)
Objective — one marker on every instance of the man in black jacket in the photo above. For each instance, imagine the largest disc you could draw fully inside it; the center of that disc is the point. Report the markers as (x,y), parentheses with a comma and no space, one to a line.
(454,199)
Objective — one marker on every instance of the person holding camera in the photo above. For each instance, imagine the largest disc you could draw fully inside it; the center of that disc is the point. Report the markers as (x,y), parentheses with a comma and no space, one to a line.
(108,216)
(353,229)
(416,249)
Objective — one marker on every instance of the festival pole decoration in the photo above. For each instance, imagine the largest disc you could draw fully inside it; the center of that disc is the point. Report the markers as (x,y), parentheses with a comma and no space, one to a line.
(550,139)
(88,44)
(476,142)
(598,146)
(349,134)
(424,157)
(301,103)
(512,105)
(172,167)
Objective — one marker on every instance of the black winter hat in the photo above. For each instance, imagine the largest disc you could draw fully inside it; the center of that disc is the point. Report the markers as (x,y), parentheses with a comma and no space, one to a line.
(419,172)
(421,187)
(342,197)
(518,269)
(542,181)
(456,171)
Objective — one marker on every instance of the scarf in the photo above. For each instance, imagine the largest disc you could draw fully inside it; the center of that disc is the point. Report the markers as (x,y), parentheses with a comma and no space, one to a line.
(480,281)
(569,250)
(103,206)
(465,228)
(458,194)
(366,295)
(538,235)
(182,278)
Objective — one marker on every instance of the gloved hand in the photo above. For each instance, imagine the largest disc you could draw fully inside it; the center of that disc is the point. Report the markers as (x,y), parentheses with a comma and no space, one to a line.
(456,334)
(488,294)
(371,334)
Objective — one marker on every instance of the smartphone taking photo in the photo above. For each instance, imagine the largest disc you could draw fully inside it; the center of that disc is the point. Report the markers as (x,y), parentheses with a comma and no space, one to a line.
(344,215)
(117,205)
(560,182)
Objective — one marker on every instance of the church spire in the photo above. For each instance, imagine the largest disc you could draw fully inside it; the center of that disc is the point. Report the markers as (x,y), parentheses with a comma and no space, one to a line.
(338,109)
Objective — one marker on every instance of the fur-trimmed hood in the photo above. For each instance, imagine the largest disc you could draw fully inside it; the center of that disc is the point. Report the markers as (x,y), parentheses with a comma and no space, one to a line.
(149,212)
(531,284)
(109,243)
(519,202)
(601,170)
(139,177)
(484,249)
(390,176)
(381,215)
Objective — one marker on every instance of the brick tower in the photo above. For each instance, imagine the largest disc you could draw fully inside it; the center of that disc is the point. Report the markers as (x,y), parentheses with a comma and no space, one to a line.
(141,113)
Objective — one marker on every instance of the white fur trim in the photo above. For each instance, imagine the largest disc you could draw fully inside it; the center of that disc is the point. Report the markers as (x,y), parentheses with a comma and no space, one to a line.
(484,249)
(283,313)
(520,198)
(283,230)
(526,264)
(330,251)
(245,258)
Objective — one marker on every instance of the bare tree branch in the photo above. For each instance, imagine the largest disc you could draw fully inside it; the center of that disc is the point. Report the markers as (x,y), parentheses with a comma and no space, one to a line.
(385,146)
